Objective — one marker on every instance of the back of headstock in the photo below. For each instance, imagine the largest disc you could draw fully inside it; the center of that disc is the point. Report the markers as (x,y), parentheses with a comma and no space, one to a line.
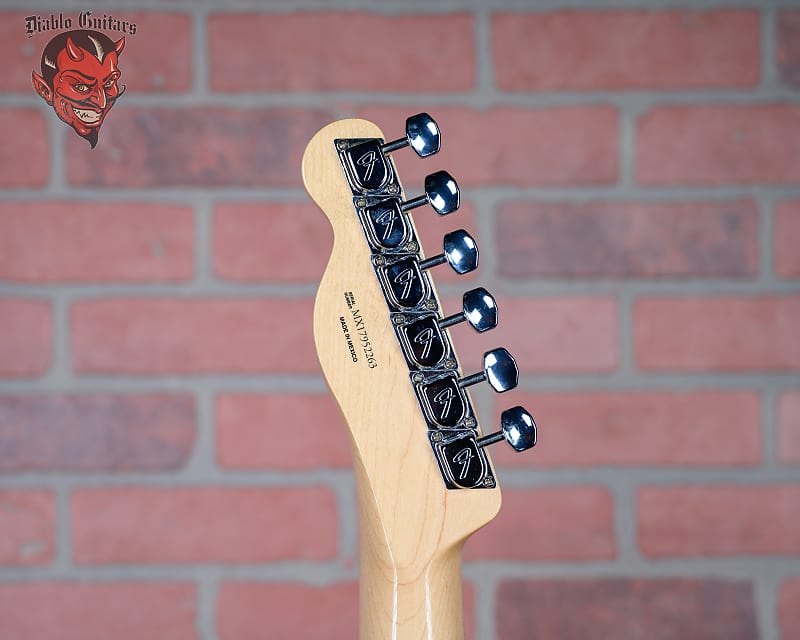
(424,477)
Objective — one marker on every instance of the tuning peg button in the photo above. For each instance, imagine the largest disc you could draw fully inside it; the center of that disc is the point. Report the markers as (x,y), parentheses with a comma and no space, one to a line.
(480,311)
(422,135)
(460,251)
(499,370)
(441,192)
(517,427)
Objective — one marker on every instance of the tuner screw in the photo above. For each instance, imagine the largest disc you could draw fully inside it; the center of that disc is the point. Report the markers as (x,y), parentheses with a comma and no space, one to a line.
(441,192)
(499,370)
(399,320)
(450,363)
(469,422)
(422,135)
(361,203)
(341,145)
(479,310)
(393,188)
(460,251)
(418,377)
(488,482)
(430,305)
(379,260)
(437,436)
(517,427)
(412,246)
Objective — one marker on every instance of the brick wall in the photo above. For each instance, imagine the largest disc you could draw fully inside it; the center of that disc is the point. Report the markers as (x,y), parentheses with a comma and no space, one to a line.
(170,464)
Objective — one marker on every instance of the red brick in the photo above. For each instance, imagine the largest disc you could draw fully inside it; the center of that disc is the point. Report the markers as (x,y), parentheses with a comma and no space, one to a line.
(627,239)
(95,432)
(164,68)
(145,68)
(274,52)
(626,609)
(125,525)
(99,611)
(246,609)
(92,242)
(25,152)
(719,520)
(788,53)
(546,334)
(786,238)
(789,609)
(26,338)
(789,426)
(549,146)
(641,428)
(200,147)
(550,523)
(286,242)
(249,425)
(651,50)
(719,144)
(152,335)
(28,523)
(723,333)
(25,52)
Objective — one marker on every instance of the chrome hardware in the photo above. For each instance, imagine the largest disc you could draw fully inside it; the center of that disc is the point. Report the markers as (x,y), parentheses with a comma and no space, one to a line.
(441,192)
(499,370)
(460,251)
(480,311)
(384,215)
(422,135)
(517,427)
(405,283)
(463,462)
(386,223)
(423,341)
(442,400)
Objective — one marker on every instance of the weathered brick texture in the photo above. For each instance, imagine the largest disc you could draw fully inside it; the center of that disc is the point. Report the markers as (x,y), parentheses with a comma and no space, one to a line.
(719,520)
(125,610)
(26,338)
(250,52)
(718,333)
(628,609)
(630,173)
(95,242)
(111,432)
(150,335)
(28,523)
(641,428)
(515,535)
(571,50)
(129,525)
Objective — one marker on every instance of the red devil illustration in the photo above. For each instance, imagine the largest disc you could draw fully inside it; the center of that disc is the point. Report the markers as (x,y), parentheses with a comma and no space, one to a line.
(79,79)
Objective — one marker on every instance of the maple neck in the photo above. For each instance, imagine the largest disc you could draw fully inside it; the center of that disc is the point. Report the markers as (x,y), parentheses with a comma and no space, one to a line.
(413,600)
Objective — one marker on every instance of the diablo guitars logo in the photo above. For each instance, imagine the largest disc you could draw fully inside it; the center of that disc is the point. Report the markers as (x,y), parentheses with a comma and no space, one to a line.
(79,79)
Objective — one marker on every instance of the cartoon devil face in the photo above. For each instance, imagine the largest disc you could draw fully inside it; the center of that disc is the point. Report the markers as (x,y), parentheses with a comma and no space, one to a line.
(79,79)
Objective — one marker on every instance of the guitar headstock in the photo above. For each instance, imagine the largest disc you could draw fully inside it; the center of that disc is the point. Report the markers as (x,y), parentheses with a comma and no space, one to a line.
(424,476)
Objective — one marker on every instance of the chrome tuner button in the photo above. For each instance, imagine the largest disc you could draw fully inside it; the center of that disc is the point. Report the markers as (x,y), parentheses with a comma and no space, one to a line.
(460,251)
(441,192)
(422,135)
(517,427)
(499,370)
(480,311)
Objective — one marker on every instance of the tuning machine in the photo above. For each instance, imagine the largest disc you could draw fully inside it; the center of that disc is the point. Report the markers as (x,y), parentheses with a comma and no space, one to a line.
(517,427)
(366,161)
(499,370)
(422,135)
(460,252)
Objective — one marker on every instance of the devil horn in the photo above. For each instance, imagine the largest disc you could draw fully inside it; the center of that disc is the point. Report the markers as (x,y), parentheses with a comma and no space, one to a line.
(73,52)
(119,45)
